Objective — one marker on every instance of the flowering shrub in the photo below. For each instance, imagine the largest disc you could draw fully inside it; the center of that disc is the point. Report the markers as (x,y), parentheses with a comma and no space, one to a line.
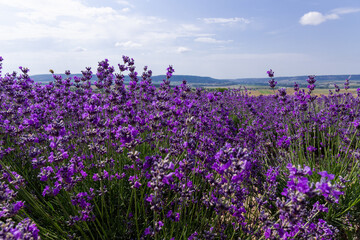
(110,161)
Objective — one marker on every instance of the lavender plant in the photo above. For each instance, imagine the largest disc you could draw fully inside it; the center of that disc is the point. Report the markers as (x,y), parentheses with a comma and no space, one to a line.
(139,162)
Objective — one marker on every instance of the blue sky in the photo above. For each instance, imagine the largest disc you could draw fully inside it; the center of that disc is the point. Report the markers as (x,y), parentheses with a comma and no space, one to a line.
(220,39)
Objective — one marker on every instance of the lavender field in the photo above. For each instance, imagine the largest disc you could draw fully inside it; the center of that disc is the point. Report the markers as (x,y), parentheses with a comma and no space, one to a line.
(140,162)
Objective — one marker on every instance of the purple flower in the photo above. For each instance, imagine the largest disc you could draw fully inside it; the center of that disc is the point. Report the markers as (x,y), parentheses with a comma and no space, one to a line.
(148,231)
(303,185)
(169,213)
(311,149)
(193,236)
(328,190)
(270,73)
(283,142)
(137,184)
(45,173)
(272,83)
(160,225)
(324,187)
(83,173)
(311,87)
(26,229)
(211,97)
(96,177)
(296,87)
(282,92)
(356,124)
(171,166)
(324,174)
(311,79)
(53,144)
(170,71)
(150,198)
(347,83)
(295,172)
(46,191)
(18,205)
(225,166)
(105,174)
(167,179)
(64,155)
(177,217)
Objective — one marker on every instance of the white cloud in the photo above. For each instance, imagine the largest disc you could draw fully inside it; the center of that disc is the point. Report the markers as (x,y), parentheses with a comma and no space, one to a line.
(128,44)
(345,10)
(210,40)
(72,20)
(226,20)
(80,49)
(125,10)
(68,24)
(315,18)
(190,27)
(43,10)
(125,3)
(73,34)
(183,49)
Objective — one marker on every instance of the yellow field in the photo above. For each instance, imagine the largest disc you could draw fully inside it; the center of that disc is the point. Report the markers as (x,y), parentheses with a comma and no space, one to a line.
(257,91)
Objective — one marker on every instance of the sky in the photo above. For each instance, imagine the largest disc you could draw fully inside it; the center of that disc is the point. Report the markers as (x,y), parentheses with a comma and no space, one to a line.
(224,39)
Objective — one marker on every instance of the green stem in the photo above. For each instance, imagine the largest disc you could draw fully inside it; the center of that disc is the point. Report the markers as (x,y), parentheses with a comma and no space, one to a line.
(136,215)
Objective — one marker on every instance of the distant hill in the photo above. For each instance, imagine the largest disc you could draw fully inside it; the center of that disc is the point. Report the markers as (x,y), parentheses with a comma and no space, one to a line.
(321,81)
(196,81)
(325,81)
